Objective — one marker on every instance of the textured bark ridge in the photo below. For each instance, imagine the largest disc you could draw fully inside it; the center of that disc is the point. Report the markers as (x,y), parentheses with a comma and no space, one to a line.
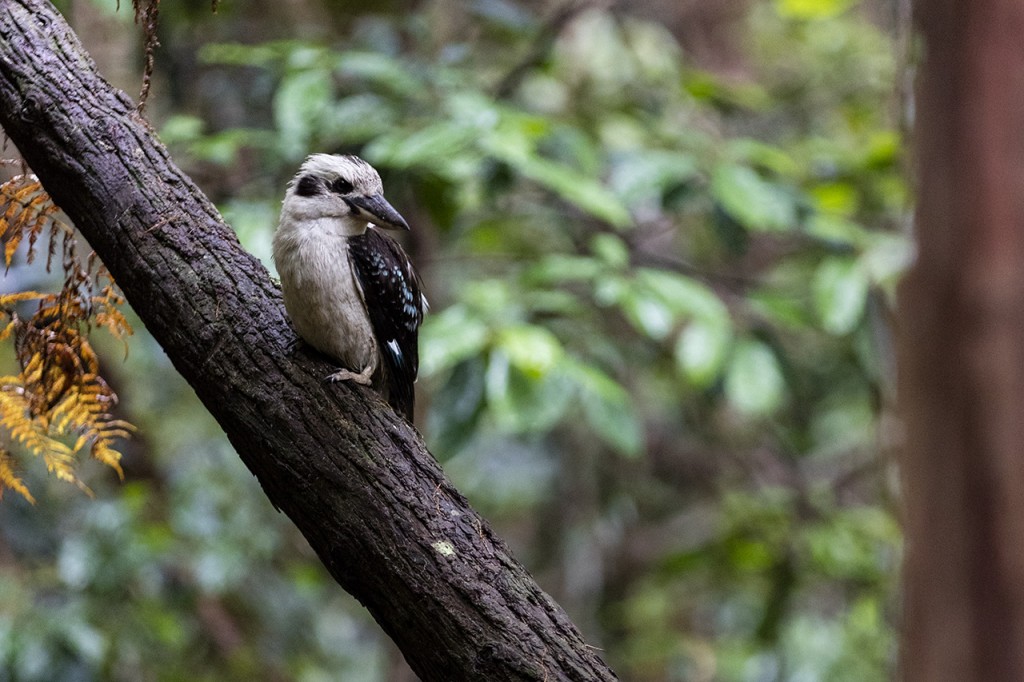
(355,478)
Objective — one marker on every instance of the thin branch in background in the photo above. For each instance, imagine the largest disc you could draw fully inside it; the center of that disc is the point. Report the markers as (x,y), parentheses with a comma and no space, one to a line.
(149,18)
(542,45)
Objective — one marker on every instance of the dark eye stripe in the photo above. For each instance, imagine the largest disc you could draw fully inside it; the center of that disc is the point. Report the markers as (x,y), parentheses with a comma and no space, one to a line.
(308,186)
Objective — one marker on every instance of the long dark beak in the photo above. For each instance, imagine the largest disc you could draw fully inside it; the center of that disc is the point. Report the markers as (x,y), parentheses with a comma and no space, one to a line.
(378,211)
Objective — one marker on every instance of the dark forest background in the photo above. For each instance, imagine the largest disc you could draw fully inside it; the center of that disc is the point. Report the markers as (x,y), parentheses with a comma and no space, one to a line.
(660,240)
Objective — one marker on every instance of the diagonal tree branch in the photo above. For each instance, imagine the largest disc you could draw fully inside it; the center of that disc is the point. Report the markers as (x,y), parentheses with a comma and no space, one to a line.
(355,478)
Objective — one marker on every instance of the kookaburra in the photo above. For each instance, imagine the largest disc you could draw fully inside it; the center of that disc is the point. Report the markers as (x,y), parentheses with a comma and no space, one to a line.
(350,290)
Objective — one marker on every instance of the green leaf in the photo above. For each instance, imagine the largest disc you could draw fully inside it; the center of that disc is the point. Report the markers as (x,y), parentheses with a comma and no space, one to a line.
(456,408)
(730,93)
(588,194)
(491,299)
(300,57)
(649,314)
(429,147)
(249,220)
(553,302)
(237,54)
(754,384)
(514,135)
(836,198)
(521,402)
(608,408)
(883,149)
(702,349)
(449,338)
(848,545)
(812,9)
(300,104)
(683,295)
(787,306)
(361,117)
(836,229)
(745,554)
(532,350)
(181,128)
(887,257)
(762,155)
(611,289)
(840,293)
(573,145)
(382,70)
(223,147)
(507,15)
(557,268)
(655,301)
(843,422)
(752,201)
(611,250)
(645,176)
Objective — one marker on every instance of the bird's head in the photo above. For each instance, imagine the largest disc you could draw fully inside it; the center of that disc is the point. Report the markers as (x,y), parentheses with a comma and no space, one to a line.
(342,187)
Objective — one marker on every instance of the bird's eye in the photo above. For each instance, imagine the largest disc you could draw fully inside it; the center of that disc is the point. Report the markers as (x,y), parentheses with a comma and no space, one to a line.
(341,186)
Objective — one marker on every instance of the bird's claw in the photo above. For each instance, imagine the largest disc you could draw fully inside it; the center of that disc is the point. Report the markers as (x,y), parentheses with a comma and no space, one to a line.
(363,378)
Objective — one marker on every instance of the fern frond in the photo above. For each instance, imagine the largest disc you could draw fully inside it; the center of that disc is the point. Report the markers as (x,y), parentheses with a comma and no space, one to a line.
(102,452)
(68,414)
(33,370)
(90,363)
(7,300)
(60,461)
(29,210)
(8,330)
(34,435)
(9,479)
(59,405)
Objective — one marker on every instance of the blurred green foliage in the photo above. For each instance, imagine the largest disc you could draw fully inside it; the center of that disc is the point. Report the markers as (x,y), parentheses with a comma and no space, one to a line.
(657,356)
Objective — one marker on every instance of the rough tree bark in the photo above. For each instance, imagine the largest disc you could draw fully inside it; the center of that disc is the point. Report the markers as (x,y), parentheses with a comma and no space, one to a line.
(962,350)
(355,478)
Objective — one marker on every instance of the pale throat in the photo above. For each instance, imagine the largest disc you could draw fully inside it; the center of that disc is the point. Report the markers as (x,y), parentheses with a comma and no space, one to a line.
(342,226)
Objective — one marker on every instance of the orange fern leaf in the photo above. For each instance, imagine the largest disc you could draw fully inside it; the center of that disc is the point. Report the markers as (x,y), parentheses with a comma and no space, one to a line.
(9,479)
(58,406)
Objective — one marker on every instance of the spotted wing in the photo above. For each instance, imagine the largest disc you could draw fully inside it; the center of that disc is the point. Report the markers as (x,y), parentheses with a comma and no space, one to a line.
(391,290)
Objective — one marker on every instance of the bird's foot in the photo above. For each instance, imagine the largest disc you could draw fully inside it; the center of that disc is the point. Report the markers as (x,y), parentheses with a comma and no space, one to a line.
(363,378)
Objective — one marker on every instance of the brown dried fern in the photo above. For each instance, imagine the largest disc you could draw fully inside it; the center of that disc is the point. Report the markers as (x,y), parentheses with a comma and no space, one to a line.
(58,406)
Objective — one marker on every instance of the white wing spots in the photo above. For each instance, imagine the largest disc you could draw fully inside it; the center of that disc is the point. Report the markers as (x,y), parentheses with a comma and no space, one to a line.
(399,277)
(393,347)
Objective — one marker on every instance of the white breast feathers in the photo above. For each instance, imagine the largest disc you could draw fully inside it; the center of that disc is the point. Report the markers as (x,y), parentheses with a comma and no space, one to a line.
(322,295)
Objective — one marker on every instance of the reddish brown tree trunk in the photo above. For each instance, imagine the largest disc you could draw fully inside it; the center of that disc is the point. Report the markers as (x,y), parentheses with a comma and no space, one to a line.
(962,350)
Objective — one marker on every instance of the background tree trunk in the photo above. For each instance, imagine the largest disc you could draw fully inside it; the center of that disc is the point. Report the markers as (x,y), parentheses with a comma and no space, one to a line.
(355,478)
(962,350)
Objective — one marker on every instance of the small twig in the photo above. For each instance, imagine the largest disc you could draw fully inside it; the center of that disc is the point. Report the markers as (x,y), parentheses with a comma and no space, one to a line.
(542,45)
(149,18)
